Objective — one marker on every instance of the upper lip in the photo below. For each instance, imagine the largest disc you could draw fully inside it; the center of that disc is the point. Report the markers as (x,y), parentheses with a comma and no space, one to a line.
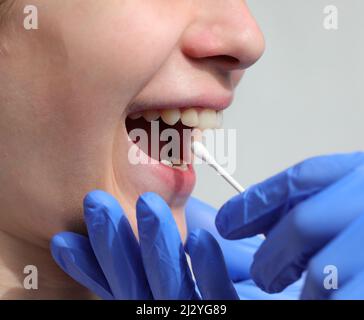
(207,100)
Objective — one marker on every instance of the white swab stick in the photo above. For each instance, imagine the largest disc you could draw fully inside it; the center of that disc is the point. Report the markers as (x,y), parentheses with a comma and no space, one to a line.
(201,152)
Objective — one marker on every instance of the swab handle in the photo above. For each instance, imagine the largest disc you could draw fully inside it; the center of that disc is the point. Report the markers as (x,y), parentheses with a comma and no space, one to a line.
(228,178)
(200,151)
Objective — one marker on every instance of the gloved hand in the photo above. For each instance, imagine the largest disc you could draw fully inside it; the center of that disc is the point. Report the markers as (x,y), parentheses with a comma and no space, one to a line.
(313,217)
(238,254)
(113,265)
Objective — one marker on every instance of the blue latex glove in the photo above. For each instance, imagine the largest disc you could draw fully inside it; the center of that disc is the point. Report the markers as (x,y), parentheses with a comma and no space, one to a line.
(238,254)
(312,215)
(113,265)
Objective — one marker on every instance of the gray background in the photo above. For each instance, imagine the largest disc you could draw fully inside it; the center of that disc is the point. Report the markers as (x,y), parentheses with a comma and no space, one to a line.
(303,98)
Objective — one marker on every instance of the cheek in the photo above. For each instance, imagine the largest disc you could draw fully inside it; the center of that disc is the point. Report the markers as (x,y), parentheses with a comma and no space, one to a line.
(123,46)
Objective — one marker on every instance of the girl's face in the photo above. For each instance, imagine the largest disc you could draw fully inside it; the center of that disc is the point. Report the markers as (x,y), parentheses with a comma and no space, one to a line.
(68,87)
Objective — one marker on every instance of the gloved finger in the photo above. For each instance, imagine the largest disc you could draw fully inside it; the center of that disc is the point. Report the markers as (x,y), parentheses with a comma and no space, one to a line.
(115,246)
(238,254)
(248,290)
(261,206)
(337,264)
(209,267)
(73,253)
(162,251)
(352,290)
(305,230)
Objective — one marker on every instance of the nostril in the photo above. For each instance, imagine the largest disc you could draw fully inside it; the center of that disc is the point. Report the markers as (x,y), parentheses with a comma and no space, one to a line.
(226,58)
(225,61)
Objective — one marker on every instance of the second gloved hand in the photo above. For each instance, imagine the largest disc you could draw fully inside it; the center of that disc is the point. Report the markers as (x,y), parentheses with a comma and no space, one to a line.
(313,218)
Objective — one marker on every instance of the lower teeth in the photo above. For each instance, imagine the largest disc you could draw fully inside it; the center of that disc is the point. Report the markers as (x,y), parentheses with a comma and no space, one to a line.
(180,166)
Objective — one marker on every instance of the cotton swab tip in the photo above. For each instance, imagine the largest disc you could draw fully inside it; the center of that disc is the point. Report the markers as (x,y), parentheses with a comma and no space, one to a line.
(199,150)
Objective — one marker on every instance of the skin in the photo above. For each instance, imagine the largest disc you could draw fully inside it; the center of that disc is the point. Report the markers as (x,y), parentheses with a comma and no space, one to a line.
(65,92)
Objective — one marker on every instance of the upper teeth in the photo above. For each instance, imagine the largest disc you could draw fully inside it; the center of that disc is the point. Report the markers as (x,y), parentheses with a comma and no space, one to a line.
(151,115)
(191,117)
(171,116)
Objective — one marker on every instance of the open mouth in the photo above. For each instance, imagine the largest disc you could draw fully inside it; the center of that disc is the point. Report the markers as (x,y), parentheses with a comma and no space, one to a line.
(165,135)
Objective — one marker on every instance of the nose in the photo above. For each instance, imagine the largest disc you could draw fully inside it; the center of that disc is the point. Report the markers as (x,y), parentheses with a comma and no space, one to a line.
(223,32)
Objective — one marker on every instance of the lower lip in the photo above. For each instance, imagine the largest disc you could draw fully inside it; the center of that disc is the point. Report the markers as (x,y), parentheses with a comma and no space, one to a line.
(180,183)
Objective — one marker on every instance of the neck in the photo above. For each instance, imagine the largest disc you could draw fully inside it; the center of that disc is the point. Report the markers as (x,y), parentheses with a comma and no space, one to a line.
(15,283)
